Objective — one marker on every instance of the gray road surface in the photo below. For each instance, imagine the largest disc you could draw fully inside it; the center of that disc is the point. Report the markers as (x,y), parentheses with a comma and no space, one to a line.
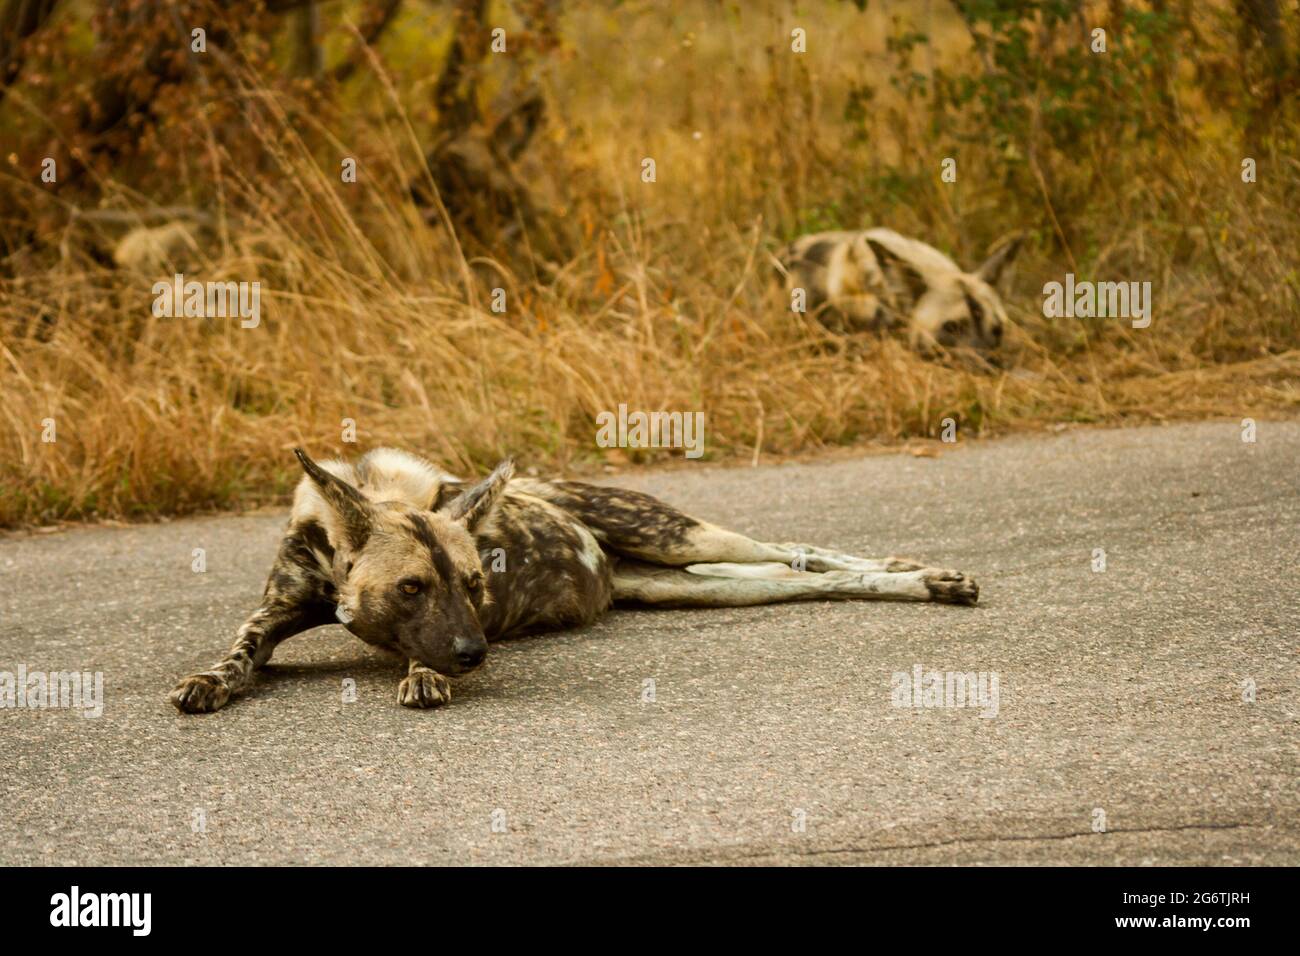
(1120,692)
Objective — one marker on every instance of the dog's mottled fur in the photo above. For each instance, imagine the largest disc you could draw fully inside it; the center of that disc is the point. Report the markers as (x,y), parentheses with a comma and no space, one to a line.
(877,279)
(410,559)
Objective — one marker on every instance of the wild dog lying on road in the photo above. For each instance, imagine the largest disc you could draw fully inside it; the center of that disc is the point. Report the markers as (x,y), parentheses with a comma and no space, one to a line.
(413,560)
(878,278)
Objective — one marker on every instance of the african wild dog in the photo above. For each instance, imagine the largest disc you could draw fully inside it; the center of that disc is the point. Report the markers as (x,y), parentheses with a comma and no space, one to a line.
(403,556)
(878,278)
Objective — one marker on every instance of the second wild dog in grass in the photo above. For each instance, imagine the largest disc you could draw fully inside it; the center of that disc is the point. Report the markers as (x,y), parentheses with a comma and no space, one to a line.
(401,554)
(877,278)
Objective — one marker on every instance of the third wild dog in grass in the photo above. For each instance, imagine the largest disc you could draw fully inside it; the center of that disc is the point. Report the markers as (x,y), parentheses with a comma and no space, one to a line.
(401,553)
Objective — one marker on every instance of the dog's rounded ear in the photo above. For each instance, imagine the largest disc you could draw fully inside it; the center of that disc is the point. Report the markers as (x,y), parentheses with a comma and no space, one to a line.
(903,279)
(353,511)
(990,269)
(475,503)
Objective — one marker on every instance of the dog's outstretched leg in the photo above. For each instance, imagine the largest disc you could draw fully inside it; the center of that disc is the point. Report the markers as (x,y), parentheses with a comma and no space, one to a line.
(823,559)
(294,601)
(635,525)
(741,585)
(258,636)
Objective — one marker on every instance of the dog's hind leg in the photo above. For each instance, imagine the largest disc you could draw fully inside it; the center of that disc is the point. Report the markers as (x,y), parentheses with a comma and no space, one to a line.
(639,526)
(823,559)
(293,602)
(741,585)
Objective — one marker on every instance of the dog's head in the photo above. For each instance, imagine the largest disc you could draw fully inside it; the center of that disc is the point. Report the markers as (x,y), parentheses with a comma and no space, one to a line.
(407,578)
(949,308)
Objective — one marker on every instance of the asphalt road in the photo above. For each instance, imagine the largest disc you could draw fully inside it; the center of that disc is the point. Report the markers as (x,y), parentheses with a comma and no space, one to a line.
(1121,692)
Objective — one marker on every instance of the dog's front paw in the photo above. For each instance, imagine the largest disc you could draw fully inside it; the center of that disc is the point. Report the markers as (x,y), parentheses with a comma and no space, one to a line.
(200,694)
(424,688)
(951,587)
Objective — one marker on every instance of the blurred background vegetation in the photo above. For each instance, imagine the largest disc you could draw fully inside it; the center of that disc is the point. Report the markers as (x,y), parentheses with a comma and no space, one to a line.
(520,169)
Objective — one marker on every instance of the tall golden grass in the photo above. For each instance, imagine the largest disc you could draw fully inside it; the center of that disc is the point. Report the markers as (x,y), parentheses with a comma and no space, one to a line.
(370,314)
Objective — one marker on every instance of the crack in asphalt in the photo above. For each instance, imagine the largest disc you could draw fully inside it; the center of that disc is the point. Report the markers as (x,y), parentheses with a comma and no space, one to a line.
(726,855)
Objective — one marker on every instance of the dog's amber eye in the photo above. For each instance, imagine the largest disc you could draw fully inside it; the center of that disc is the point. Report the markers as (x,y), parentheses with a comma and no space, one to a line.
(410,587)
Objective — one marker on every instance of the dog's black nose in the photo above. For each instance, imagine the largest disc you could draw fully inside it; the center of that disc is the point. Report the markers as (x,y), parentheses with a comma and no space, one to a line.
(471,657)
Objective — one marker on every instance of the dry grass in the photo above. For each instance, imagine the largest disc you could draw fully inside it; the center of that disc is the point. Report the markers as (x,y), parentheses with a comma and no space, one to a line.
(371,315)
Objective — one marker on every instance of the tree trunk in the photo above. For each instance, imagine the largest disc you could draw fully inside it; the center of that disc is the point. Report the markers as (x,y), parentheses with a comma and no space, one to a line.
(306,37)
(1262,23)
(19,19)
